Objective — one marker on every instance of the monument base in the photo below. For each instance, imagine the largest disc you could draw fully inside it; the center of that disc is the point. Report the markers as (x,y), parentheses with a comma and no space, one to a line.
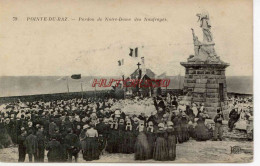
(206,83)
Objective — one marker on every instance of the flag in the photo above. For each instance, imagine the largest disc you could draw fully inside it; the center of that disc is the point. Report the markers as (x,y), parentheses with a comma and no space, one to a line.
(131,52)
(76,76)
(120,62)
(136,52)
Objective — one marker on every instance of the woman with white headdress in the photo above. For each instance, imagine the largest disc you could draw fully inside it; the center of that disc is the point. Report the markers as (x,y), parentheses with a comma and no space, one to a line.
(171,141)
(129,138)
(113,138)
(150,133)
(160,152)
(241,124)
(141,145)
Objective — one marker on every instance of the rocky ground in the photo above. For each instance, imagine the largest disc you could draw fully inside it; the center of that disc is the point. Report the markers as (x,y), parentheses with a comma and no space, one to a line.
(189,152)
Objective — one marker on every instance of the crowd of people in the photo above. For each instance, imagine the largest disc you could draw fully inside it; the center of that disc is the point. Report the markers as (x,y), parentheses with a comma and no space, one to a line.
(67,128)
(241,114)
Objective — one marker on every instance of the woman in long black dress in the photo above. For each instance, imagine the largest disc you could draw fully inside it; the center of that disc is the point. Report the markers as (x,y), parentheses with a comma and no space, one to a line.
(160,152)
(112,143)
(201,131)
(141,145)
(110,140)
(184,127)
(177,127)
(171,141)
(92,150)
(121,134)
(150,133)
(5,139)
(129,138)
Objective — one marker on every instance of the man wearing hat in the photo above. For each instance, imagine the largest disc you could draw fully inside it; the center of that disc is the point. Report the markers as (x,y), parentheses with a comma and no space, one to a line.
(53,148)
(31,144)
(72,144)
(41,144)
(21,146)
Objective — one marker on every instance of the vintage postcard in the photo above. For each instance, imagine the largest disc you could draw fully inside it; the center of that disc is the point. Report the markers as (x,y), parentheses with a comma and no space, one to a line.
(168,81)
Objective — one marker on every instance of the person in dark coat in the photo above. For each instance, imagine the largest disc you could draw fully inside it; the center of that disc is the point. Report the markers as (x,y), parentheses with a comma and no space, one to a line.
(160,152)
(171,141)
(31,144)
(150,133)
(5,139)
(41,144)
(233,118)
(9,128)
(174,102)
(13,126)
(155,103)
(21,146)
(184,127)
(77,130)
(67,124)
(201,131)
(60,136)
(30,127)
(101,127)
(142,151)
(177,128)
(218,132)
(46,123)
(129,138)
(52,127)
(121,135)
(189,113)
(54,150)
(153,118)
(112,143)
(142,117)
(72,144)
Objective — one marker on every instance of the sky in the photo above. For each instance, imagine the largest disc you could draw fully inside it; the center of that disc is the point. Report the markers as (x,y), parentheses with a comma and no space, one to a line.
(35,48)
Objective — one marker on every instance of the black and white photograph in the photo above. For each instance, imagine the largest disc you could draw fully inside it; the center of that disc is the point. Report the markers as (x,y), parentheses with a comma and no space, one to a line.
(126,81)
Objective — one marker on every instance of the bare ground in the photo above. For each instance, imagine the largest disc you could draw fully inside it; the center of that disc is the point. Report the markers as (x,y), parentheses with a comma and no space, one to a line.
(189,152)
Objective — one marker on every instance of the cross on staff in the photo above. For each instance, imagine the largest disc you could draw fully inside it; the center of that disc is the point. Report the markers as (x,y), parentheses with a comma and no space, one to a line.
(138,64)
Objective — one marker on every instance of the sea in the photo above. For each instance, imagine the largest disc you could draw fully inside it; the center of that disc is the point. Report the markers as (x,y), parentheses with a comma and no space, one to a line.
(32,85)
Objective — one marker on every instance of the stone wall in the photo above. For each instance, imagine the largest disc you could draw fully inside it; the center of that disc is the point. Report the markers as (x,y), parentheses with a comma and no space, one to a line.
(202,83)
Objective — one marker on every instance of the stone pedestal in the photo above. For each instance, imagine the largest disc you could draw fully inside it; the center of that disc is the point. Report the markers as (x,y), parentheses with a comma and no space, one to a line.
(205,80)
(206,83)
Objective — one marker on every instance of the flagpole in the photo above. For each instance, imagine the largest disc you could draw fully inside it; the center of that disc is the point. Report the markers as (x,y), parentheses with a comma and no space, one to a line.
(166,92)
(81,90)
(123,85)
(180,80)
(95,92)
(68,85)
